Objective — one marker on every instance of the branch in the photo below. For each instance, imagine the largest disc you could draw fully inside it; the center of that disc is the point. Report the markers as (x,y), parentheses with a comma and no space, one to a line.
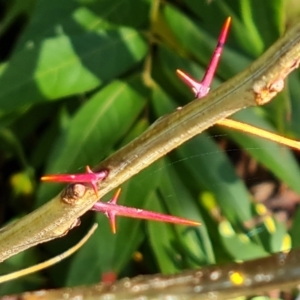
(279,270)
(257,85)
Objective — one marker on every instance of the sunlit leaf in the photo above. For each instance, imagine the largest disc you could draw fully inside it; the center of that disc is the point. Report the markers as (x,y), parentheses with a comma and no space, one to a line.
(67,65)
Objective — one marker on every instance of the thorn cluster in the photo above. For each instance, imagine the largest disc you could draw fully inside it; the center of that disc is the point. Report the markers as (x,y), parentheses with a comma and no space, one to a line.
(111,209)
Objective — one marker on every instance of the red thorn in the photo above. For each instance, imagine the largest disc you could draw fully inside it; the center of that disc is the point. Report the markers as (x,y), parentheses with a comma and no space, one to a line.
(201,88)
(111,209)
(112,215)
(112,220)
(88,177)
(225,30)
(196,87)
(115,197)
(88,170)
(209,74)
(60,178)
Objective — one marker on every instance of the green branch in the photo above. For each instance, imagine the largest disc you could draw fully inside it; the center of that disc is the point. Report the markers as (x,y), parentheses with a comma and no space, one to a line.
(257,85)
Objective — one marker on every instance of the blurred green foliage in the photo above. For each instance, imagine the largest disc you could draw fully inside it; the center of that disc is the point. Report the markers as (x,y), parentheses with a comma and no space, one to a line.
(81,78)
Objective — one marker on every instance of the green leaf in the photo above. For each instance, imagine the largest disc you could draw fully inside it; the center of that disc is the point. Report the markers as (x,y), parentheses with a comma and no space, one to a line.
(47,19)
(201,44)
(76,17)
(10,145)
(12,12)
(63,66)
(180,202)
(279,238)
(239,245)
(250,26)
(164,242)
(209,167)
(106,13)
(294,89)
(294,231)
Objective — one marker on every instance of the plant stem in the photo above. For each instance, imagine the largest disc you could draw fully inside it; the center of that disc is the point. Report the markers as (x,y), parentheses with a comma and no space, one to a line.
(257,85)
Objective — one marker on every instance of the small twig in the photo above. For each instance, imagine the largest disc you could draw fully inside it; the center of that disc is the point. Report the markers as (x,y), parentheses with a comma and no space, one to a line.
(260,133)
(50,262)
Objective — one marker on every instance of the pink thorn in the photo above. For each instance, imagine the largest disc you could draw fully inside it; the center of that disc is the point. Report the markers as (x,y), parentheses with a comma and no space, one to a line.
(112,214)
(201,89)
(111,209)
(115,197)
(208,76)
(112,220)
(88,177)
(197,87)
